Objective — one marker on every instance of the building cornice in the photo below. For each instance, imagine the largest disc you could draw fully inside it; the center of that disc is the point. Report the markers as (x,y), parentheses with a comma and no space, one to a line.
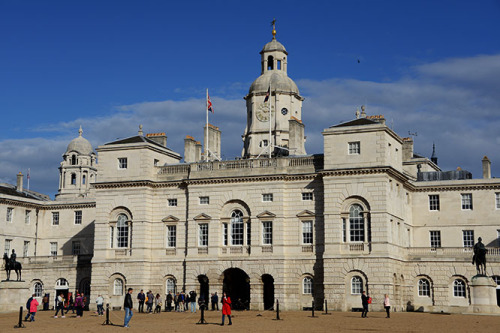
(51,205)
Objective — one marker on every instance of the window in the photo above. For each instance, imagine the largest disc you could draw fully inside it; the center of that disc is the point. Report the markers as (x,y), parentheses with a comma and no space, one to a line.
(27,217)
(170,286)
(356,285)
(204,200)
(122,163)
(84,179)
(237,227)
(267,233)
(225,233)
(467,201)
(78,217)
(53,249)
(10,212)
(497,200)
(73,159)
(203,234)
(267,197)
(8,243)
(424,289)
(55,218)
(459,288)
(307,232)
(171,235)
(434,202)
(435,236)
(172,202)
(26,248)
(75,248)
(307,285)
(279,64)
(356,224)
(122,231)
(112,235)
(38,289)
(468,237)
(307,196)
(354,148)
(344,231)
(263,143)
(118,287)
(496,278)
(73,179)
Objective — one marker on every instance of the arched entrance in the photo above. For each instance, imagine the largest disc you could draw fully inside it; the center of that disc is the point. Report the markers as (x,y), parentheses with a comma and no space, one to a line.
(236,285)
(62,287)
(268,282)
(204,288)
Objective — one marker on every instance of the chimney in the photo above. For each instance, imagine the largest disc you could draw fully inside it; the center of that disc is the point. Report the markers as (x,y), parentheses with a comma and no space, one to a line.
(296,139)
(407,149)
(19,186)
(189,149)
(486,168)
(214,138)
(159,138)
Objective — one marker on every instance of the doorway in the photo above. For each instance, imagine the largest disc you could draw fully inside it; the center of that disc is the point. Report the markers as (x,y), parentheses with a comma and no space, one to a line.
(236,285)
(268,282)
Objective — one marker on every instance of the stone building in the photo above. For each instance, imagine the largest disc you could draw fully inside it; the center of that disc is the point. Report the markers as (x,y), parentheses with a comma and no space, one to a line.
(366,214)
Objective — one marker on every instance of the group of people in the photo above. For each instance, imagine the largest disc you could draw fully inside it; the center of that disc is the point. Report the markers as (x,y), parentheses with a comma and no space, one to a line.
(181,302)
(365,300)
(61,305)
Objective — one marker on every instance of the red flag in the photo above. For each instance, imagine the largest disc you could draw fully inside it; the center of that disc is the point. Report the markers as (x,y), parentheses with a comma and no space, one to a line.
(209,104)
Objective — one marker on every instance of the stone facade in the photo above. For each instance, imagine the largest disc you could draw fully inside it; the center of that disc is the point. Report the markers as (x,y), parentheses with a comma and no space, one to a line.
(297,228)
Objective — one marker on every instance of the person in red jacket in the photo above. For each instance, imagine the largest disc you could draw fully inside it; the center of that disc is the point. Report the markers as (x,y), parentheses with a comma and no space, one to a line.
(33,308)
(226,308)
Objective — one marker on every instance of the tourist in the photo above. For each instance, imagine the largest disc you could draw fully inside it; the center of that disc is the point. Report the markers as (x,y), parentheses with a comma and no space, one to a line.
(226,308)
(149,302)
(79,305)
(387,306)
(128,306)
(364,301)
(177,298)
(71,304)
(100,305)
(28,303)
(158,302)
(169,301)
(192,300)
(60,305)
(33,308)
(215,301)
(141,297)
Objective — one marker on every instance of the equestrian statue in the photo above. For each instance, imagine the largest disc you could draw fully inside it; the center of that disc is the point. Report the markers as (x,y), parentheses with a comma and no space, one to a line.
(479,257)
(12,264)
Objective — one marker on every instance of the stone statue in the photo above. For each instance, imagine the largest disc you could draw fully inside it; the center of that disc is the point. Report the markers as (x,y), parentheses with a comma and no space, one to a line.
(12,264)
(479,257)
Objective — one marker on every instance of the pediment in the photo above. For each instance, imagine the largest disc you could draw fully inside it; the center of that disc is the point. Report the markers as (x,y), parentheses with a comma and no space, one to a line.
(306,213)
(202,217)
(266,214)
(170,218)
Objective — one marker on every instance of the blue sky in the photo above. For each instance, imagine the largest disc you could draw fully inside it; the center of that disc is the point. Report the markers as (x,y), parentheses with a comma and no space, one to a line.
(431,67)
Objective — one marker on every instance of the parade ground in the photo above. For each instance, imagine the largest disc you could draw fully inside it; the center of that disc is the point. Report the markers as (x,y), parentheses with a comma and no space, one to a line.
(254,321)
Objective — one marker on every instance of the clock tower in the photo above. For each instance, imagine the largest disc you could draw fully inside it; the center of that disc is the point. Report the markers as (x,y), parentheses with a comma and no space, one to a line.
(285,102)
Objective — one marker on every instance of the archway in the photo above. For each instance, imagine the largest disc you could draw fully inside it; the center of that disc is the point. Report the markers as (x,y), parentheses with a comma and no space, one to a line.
(236,285)
(204,288)
(268,282)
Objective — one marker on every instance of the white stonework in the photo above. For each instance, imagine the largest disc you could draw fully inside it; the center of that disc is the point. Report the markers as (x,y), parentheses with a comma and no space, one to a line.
(366,214)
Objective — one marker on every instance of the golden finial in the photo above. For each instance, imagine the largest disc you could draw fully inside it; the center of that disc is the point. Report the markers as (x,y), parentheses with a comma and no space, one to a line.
(273,23)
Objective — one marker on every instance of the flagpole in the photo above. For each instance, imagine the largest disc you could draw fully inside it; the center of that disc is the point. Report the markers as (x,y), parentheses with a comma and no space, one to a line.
(206,134)
(270,118)
(28,179)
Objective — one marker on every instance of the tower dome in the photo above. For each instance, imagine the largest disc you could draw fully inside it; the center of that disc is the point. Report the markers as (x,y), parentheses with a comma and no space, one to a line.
(80,145)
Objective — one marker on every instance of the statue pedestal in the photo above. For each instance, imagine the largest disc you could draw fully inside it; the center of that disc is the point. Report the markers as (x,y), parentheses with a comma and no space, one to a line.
(13,294)
(483,295)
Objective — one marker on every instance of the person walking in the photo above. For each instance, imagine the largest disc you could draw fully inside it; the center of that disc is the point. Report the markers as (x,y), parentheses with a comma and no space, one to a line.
(141,298)
(226,308)
(100,302)
(387,306)
(33,308)
(128,306)
(149,302)
(79,305)
(60,305)
(364,300)
(71,304)
(28,303)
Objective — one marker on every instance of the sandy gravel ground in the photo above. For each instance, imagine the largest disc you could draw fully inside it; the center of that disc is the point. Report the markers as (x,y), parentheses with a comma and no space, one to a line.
(253,321)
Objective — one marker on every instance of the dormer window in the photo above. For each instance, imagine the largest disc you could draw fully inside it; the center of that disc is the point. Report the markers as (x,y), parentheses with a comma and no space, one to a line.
(270,63)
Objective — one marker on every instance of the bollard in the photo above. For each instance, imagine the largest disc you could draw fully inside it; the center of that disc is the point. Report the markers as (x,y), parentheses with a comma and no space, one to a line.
(107,322)
(20,323)
(202,320)
(326,308)
(277,310)
(312,309)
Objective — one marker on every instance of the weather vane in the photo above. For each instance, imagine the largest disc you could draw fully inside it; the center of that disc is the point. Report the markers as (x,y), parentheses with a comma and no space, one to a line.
(273,23)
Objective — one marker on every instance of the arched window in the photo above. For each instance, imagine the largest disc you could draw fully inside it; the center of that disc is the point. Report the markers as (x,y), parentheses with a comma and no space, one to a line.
(424,289)
(307,285)
(237,227)
(73,179)
(356,224)
(62,283)
(38,289)
(459,288)
(73,160)
(170,286)
(270,63)
(84,179)
(356,285)
(118,287)
(122,231)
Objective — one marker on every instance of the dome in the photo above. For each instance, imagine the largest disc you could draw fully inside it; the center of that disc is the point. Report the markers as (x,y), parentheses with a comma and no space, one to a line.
(274,45)
(279,81)
(80,145)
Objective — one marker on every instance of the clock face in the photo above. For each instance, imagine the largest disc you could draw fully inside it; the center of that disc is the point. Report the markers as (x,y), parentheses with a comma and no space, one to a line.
(262,112)
(284,111)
